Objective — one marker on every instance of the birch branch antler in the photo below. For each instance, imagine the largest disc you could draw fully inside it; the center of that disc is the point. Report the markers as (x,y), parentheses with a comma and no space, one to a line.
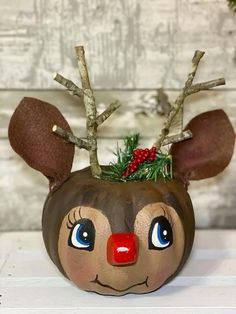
(177,106)
(93,121)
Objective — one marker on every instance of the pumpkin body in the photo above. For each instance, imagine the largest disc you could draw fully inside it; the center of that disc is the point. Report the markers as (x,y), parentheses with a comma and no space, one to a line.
(115,238)
(118,237)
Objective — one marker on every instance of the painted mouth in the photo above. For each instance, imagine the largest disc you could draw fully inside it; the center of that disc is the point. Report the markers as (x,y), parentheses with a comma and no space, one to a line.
(97,281)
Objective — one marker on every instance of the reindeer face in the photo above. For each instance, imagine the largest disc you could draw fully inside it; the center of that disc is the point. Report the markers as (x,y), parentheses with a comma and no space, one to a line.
(98,260)
(118,238)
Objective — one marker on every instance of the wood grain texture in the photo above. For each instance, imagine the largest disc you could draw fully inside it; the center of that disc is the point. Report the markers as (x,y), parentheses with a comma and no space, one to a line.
(129,43)
(207,284)
(23,190)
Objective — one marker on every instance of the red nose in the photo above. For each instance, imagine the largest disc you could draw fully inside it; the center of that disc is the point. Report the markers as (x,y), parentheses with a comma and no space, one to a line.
(122,249)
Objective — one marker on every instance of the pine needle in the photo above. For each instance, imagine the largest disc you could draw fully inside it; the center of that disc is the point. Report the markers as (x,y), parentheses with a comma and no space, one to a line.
(160,167)
(232,4)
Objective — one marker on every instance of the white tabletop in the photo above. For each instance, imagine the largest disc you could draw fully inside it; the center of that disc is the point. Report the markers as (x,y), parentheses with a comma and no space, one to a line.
(30,283)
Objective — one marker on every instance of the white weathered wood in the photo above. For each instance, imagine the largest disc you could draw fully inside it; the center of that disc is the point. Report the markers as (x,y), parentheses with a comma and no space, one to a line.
(25,189)
(135,113)
(129,44)
(123,310)
(30,283)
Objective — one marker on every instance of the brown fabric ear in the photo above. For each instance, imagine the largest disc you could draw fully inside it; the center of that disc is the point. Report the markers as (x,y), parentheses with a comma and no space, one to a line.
(209,151)
(30,135)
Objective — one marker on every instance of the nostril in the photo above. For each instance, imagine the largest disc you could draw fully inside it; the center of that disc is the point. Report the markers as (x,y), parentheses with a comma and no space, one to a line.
(122,249)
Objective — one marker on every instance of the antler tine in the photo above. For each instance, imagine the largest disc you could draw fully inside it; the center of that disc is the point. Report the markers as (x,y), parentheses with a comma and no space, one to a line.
(91,112)
(93,121)
(177,107)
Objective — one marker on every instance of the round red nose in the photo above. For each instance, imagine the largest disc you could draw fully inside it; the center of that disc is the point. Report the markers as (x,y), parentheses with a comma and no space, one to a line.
(122,249)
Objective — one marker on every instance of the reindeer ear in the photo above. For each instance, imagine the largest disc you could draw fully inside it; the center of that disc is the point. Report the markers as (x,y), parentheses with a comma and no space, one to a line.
(209,151)
(30,135)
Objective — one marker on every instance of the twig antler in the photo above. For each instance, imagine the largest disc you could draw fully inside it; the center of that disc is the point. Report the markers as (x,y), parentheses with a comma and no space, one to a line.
(93,121)
(177,107)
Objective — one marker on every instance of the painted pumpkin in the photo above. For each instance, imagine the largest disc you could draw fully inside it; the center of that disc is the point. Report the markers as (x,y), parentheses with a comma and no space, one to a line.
(119,237)
(115,238)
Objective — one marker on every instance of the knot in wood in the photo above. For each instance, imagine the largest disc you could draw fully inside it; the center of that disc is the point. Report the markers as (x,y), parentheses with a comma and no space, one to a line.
(165,131)
(88,93)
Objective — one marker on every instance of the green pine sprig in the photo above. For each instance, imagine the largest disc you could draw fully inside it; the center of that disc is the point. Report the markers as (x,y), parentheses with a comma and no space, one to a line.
(232,4)
(123,158)
(160,167)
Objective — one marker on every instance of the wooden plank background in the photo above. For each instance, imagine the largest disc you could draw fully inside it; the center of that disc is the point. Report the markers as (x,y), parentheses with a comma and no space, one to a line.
(129,43)
(132,47)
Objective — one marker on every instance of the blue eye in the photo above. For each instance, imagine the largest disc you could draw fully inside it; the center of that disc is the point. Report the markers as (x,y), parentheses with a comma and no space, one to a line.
(82,235)
(160,234)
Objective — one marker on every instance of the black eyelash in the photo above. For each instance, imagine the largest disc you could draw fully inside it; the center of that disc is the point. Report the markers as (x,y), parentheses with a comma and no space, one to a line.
(80,213)
(70,223)
(168,217)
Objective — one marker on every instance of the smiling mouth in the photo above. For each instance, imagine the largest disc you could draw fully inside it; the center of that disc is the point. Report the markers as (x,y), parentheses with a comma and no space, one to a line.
(97,281)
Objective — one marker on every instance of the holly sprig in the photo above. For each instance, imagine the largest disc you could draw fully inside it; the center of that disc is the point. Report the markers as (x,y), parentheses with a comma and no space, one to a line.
(138,164)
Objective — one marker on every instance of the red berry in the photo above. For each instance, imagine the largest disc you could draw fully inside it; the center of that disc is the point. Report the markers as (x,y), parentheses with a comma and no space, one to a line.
(123,173)
(139,156)
(151,156)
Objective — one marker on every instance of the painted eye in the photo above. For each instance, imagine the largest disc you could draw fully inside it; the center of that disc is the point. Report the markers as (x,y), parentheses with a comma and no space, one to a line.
(82,235)
(160,234)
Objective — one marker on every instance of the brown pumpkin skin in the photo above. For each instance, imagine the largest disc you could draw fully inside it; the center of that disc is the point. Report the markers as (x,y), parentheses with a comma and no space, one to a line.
(117,207)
